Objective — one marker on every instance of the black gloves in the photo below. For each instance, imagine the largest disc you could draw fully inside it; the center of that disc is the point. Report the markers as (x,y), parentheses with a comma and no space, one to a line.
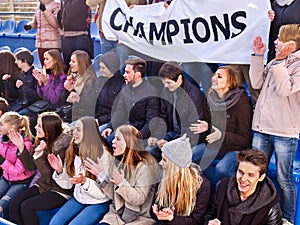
(1,160)
(42,7)
(27,27)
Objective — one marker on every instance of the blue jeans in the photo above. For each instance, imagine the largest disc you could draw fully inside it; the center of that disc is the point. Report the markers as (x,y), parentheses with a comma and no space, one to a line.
(7,192)
(75,213)
(285,150)
(227,165)
(107,45)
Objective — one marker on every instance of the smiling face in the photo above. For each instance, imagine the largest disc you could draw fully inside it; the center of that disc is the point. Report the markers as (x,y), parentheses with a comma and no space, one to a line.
(49,61)
(118,144)
(247,177)
(219,81)
(78,132)
(39,128)
(74,64)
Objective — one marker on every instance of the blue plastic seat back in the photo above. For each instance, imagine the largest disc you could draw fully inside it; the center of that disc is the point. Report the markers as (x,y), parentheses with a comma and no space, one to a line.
(96,65)
(20,27)
(94,30)
(36,62)
(6,48)
(9,26)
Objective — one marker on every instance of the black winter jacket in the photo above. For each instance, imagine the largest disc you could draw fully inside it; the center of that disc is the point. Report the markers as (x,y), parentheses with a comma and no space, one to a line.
(108,92)
(136,106)
(191,105)
(261,208)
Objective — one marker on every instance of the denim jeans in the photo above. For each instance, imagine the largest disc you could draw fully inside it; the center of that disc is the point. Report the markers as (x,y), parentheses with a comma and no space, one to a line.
(107,45)
(227,165)
(74,213)
(285,150)
(7,192)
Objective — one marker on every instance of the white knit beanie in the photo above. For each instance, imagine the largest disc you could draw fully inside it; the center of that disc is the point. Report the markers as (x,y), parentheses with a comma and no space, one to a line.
(179,151)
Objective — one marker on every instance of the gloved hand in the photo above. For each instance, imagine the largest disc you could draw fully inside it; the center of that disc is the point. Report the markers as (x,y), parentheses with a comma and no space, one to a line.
(1,160)
(42,7)
(27,27)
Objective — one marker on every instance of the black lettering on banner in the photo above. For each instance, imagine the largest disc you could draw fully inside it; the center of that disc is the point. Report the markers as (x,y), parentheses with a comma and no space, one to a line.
(170,32)
(200,28)
(236,24)
(187,39)
(112,19)
(216,23)
(160,35)
(195,32)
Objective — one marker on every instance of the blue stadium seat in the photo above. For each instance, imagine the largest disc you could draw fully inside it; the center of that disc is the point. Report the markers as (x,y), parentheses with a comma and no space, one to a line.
(9,26)
(20,27)
(94,30)
(19,49)
(96,65)
(6,222)
(0,25)
(36,62)
(7,48)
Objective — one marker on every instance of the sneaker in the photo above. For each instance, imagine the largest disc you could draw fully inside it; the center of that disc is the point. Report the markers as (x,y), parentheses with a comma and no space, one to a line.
(286,222)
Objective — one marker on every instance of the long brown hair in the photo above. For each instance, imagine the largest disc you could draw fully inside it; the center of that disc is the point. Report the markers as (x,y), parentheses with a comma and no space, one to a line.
(8,65)
(90,146)
(59,67)
(85,68)
(52,127)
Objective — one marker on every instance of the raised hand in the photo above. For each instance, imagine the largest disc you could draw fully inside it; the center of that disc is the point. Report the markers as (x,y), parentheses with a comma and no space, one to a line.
(55,162)
(285,49)
(117,177)
(79,179)
(258,46)
(17,139)
(92,167)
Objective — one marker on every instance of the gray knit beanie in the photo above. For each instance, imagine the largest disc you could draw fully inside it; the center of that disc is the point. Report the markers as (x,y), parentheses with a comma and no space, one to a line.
(179,151)
(111,60)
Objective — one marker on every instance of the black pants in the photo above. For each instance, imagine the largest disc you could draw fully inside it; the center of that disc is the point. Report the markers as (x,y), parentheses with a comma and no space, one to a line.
(23,208)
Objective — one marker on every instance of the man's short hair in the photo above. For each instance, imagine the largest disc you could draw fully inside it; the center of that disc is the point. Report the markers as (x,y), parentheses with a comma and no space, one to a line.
(25,56)
(255,157)
(170,70)
(139,64)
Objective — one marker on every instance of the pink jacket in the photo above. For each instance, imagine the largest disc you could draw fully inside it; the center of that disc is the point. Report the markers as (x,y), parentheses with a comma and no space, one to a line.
(13,168)
(47,35)
(278,105)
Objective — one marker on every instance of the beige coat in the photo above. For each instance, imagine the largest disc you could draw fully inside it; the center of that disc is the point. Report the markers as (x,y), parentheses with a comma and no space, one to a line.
(47,35)
(135,195)
(278,106)
(100,7)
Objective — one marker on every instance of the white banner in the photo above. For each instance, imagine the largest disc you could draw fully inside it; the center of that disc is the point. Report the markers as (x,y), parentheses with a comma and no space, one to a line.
(215,31)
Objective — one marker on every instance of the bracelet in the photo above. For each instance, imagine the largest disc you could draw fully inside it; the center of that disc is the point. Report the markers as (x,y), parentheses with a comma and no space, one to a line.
(278,61)
(258,54)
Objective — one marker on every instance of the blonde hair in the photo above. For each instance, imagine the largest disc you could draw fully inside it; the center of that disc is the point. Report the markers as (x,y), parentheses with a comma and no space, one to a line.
(134,151)
(18,122)
(90,146)
(178,188)
(290,32)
